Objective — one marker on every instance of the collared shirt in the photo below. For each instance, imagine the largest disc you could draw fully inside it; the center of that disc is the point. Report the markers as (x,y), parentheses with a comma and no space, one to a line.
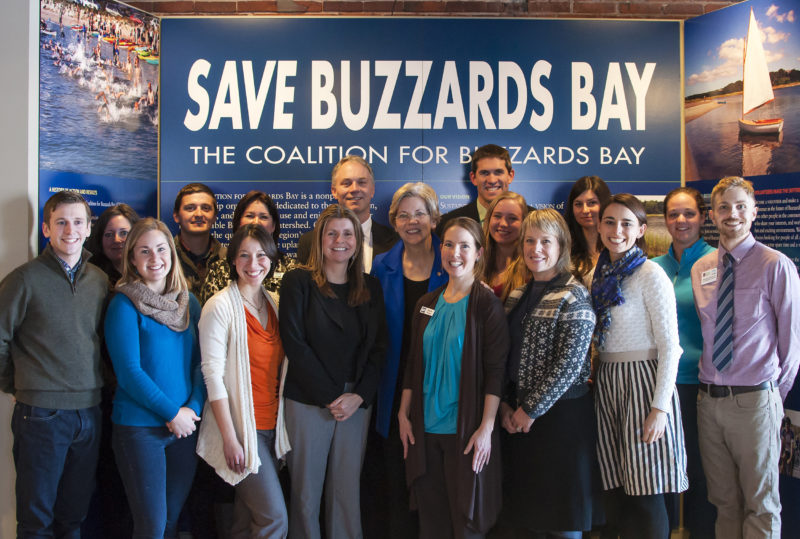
(71,272)
(766,310)
(482,211)
(366,228)
(688,324)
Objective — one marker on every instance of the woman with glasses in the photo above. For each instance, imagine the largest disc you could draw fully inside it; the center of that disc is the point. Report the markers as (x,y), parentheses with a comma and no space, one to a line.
(409,270)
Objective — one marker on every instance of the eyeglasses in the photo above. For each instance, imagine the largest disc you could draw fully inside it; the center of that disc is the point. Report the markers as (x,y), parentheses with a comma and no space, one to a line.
(406,217)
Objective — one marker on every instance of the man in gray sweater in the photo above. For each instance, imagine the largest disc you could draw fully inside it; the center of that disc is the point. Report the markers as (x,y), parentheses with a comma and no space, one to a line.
(51,312)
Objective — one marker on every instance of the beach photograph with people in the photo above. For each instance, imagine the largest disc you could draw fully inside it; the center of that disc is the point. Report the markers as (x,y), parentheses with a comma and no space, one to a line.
(99,89)
(742,88)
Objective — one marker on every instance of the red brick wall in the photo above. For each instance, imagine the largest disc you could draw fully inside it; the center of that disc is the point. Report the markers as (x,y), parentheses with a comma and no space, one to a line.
(634,9)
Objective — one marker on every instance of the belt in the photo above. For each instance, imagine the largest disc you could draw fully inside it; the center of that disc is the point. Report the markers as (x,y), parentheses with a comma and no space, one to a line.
(717,392)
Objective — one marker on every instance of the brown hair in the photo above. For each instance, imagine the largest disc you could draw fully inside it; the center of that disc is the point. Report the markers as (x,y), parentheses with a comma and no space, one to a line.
(635,206)
(359,293)
(266,200)
(581,260)
(261,236)
(64,197)
(692,192)
(95,241)
(491,150)
(474,230)
(190,189)
(176,282)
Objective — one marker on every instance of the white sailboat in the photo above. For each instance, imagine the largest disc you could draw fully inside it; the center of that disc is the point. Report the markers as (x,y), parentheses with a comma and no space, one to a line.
(757,86)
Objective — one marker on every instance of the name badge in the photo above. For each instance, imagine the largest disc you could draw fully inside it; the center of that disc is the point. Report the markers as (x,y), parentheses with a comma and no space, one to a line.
(708,276)
(426,310)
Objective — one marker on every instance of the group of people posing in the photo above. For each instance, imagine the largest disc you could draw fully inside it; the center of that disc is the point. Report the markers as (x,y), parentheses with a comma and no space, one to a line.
(492,370)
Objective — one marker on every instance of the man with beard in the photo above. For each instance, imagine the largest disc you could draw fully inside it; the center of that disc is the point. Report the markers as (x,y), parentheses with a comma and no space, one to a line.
(748,299)
(195,212)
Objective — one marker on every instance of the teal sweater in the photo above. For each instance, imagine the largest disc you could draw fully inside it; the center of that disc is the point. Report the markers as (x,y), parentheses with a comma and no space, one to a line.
(50,333)
(157,368)
(688,323)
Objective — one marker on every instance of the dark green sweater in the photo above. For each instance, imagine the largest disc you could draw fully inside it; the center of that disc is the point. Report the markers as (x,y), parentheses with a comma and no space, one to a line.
(50,333)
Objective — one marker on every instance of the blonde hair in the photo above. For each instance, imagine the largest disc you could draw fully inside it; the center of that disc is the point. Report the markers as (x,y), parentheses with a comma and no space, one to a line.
(550,222)
(359,293)
(176,282)
(491,245)
(732,182)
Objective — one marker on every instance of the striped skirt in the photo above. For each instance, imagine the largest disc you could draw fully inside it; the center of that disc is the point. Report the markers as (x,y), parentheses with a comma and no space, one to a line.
(622,402)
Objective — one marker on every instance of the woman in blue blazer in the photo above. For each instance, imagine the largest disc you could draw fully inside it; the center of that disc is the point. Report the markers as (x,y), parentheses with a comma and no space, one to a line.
(409,270)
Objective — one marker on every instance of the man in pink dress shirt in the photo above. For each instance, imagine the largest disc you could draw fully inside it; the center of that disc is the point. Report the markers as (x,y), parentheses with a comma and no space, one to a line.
(751,349)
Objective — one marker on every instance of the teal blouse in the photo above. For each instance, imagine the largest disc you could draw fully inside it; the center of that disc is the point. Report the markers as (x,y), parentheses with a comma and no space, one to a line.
(442,347)
(688,323)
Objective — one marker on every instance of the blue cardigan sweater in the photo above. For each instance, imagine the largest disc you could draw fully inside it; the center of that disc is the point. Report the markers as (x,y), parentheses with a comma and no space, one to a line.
(688,323)
(388,268)
(158,369)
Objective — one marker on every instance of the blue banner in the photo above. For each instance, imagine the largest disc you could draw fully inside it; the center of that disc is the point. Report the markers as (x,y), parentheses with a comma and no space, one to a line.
(245,110)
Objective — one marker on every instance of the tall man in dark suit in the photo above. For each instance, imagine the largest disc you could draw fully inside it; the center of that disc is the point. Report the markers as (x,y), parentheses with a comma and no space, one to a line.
(353,186)
(491,174)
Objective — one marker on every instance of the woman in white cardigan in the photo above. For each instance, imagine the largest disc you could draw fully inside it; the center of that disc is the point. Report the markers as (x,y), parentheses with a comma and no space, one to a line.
(242,436)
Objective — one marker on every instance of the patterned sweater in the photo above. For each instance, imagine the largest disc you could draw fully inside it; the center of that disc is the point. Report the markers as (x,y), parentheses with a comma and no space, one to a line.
(556,336)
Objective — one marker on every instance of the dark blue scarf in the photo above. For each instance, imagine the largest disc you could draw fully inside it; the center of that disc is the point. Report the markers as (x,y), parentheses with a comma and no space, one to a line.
(607,286)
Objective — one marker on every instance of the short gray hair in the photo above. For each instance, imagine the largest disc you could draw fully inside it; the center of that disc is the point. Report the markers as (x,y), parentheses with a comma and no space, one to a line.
(355,159)
(420,190)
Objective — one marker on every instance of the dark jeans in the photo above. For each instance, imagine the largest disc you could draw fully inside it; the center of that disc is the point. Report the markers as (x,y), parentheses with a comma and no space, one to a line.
(157,470)
(55,454)
(109,514)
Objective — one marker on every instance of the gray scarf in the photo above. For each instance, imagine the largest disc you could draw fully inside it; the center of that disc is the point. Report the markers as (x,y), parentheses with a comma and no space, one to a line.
(170,309)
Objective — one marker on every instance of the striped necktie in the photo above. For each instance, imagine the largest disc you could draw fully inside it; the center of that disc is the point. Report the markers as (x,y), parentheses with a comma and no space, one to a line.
(723,334)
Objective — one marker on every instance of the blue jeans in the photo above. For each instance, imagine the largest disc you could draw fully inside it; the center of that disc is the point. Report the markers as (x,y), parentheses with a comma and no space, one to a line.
(157,470)
(55,453)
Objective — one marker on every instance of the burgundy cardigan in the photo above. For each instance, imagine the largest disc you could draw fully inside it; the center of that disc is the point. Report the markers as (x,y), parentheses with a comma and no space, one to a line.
(483,362)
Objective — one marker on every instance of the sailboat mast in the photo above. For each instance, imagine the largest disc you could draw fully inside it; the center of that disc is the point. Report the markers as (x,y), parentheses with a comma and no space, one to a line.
(744,56)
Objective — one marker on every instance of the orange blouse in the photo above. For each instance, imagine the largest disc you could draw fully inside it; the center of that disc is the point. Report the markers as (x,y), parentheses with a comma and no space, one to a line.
(266,355)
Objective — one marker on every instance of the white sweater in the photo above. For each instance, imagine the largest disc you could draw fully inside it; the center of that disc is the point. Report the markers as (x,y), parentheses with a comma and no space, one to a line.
(226,370)
(648,320)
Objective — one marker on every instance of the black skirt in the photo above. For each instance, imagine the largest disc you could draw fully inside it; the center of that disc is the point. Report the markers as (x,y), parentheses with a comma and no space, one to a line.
(551,473)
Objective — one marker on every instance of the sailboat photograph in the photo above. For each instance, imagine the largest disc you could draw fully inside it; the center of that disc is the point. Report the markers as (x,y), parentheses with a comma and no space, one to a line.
(757,85)
(742,91)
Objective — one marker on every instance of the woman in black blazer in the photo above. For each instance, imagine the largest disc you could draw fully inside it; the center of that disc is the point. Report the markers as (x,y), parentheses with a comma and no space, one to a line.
(333,329)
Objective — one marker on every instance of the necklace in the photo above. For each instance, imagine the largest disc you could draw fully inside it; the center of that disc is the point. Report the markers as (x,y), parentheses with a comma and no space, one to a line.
(253,305)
